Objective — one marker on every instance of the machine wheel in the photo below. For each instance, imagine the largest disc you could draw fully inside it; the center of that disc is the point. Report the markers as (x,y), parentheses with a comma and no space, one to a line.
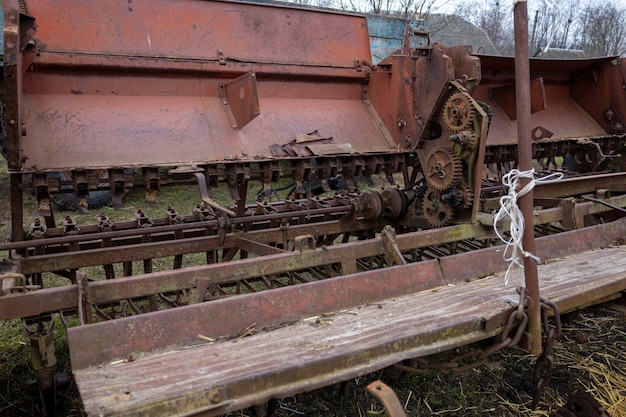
(458,112)
(437,212)
(443,168)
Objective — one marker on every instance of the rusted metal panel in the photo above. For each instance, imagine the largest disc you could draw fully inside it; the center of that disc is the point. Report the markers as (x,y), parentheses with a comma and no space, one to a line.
(575,95)
(507,63)
(200,30)
(406,108)
(242,99)
(166,65)
(108,131)
(266,309)
(504,96)
(600,91)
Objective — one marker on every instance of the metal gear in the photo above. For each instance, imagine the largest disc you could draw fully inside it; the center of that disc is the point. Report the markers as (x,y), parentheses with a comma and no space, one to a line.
(463,196)
(437,212)
(458,112)
(443,168)
(466,138)
(453,197)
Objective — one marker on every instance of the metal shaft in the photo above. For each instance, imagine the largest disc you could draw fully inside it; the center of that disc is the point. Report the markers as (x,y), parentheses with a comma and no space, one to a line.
(522,90)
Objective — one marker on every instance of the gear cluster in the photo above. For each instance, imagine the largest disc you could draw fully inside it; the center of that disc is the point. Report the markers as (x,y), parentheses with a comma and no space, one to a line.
(443,170)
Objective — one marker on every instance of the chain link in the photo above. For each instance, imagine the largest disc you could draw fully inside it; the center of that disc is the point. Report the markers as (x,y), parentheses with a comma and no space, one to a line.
(518,320)
(545,361)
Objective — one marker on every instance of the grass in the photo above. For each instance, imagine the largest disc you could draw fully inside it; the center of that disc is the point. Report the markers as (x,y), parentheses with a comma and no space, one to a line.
(590,354)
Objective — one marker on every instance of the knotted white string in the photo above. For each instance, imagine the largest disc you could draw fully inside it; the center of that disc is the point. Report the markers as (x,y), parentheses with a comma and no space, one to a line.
(514,250)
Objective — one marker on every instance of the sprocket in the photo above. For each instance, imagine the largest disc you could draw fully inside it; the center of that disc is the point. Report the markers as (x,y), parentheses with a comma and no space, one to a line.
(458,112)
(437,212)
(467,196)
(443,168)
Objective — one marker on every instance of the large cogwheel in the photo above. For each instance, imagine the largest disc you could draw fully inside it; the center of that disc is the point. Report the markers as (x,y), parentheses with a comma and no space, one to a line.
(443,168)
(437,212)
(458,112)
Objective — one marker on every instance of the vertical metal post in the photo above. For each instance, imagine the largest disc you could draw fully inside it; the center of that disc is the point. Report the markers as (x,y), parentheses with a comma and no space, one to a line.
(522,92)
(17,208)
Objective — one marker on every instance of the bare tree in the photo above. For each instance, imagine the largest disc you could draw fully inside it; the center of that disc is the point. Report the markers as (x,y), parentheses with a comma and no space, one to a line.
(495,19)
(400,8)
(593,26)
(552,25)
(601,29)
(418,8)
(316,3)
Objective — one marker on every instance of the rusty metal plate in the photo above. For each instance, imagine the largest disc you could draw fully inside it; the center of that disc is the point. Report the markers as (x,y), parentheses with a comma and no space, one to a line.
(242,99)
(158,102)
(570,104)
(200,30)
(103,131)
(504,96)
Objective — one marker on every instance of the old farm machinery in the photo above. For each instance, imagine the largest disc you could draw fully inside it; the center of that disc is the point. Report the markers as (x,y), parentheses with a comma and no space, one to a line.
(111,96)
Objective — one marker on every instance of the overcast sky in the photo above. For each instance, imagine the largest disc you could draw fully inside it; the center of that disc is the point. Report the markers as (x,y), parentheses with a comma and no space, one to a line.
(448,6)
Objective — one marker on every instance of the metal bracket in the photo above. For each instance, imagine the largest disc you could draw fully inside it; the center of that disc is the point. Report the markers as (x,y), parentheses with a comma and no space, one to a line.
(241,99)
(152,184)
(304,242)
(387,397)
(221,58)
(117,183)
(80,184)
(206,195)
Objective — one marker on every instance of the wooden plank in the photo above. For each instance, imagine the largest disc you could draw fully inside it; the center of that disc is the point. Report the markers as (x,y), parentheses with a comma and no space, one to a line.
(327,348)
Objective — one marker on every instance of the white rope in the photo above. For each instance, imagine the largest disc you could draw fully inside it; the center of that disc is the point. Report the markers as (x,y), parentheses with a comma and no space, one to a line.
(514,250)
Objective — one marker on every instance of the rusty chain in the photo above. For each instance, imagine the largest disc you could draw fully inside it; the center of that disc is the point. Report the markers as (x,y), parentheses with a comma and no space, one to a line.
(545,361)
(518,320)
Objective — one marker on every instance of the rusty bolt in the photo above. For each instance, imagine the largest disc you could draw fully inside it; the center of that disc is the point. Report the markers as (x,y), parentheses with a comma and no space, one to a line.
(215,396)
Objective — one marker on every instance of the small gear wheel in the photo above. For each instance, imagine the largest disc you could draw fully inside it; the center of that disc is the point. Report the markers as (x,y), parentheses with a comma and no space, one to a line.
(437,212)
(453,197)
(466,138)
(458,112)
(443,168)
(465,196)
